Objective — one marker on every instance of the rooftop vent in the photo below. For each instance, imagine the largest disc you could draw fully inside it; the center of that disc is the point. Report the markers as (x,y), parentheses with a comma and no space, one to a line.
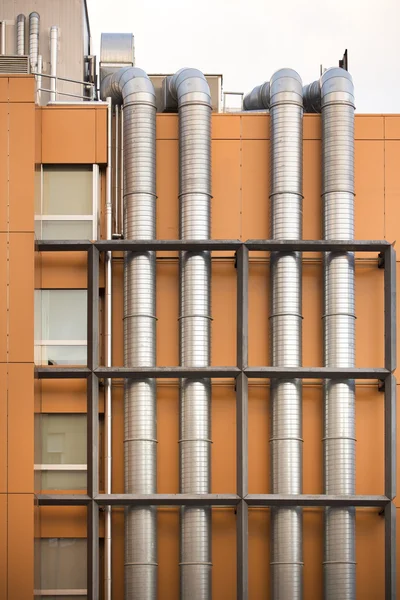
(14,64)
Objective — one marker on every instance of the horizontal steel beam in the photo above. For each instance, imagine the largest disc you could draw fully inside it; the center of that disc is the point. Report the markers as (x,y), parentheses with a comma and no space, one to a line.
(255,245)
(62,372)
(315,373)
(63,499)
(315,500)
(318,245)
(167,372)
(167,499)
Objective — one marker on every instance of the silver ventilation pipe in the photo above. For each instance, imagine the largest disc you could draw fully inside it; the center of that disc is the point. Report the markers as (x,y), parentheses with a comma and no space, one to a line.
(34,28)
(3,44)
(283,97)
(53,62)
(21,35)
(190,90)
(337,106)
(132,88)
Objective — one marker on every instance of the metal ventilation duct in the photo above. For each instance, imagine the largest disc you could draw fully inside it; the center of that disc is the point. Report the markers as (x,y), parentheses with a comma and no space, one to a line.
(132,88)
(191,92)
(335,94)
(21,35)
(283,97)
(34,29)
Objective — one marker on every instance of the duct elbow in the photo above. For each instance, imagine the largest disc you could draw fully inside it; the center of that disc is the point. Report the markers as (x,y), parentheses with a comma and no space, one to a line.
(21,18)
(258,98)
(286,87)
(128,85)
(189,86)
(312,97)
(337,87)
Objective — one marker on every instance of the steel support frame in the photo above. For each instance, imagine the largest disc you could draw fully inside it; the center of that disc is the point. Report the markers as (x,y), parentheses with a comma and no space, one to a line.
(241,373)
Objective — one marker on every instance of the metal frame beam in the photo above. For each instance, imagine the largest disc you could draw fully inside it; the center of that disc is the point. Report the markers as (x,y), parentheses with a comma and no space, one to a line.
(241,501)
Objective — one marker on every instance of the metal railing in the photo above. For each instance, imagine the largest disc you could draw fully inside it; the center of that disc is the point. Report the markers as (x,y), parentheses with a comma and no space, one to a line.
(87,85)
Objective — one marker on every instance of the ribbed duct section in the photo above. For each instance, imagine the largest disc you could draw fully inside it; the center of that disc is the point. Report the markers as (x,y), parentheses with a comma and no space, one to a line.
(21,34)
(34,29)
(283,96)
(132,87)
(191,91)
(337,106)
(286,110)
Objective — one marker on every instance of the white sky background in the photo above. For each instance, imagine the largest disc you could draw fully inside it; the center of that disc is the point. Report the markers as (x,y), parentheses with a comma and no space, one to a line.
(247,40)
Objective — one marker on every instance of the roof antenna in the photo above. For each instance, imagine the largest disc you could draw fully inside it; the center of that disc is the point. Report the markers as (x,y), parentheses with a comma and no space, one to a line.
(343,63)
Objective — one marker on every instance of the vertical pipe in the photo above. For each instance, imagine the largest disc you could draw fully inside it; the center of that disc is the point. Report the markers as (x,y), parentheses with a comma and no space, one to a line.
(286,122)
(189,87)
(116,171)
(122,180)
(337,106)
(34,28)
(108,363)
(21,35)
(2,37)
(39,79)
(53,62)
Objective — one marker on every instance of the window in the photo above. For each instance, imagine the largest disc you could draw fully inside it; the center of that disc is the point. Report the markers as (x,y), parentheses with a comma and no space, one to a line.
(63,568)
(66,209)
(60,452)
(61,327)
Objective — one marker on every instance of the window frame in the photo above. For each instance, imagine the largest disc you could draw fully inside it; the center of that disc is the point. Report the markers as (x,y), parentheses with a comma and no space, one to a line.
(93,217)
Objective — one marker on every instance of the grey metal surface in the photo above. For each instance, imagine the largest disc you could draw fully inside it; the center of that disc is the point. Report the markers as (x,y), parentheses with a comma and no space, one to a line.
(390,552)
(117,50)
(132,88)
(390,390)
(21,34)
(191,92)
(258,98)
(53,62)
(337,107)
(34,30)
(286,174)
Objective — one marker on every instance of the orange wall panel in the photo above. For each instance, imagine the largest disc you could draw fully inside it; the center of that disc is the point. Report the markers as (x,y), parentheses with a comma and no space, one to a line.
(392,127)
(68,135)
(226,211)
(4,82)
(226,127)
(21,267)
(22,160)
(3,546)
(370,190)
(3,429)
(20,428)
(167,127)
(369,127)
(64,270)
(101,135)
(392,190)
(167,156)
(20,546)
(255,189)
(22,89)
(4,298)
(4,164)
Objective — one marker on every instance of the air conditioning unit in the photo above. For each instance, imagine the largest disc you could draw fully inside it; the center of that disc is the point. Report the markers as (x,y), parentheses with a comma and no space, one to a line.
(12,63)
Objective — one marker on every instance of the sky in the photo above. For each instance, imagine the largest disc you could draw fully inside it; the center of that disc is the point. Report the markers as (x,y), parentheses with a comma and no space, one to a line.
(247,40)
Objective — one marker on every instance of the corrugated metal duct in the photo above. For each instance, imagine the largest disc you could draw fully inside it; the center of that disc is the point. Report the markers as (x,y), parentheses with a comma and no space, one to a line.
(21,34)
(132,87)
(284,98)
(34,28)
(191,91)
(335,93)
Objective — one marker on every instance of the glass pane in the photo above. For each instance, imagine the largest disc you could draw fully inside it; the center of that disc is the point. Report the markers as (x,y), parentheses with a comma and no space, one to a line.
(67,190)
(63,355)
(63,564)
(63,439)
(67,230)
(63,480)
(64,314)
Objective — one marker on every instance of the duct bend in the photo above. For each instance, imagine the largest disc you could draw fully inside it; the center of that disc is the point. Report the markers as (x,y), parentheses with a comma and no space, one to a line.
(258,98)
(191,91)
(337,106)
(132,88)
(21,34)
(34,29)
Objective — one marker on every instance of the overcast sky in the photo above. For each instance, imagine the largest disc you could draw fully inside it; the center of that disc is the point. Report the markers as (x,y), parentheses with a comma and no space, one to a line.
(247,40)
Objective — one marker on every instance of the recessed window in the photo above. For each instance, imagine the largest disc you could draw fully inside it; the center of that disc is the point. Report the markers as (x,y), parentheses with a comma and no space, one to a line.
(61,327)
(67,207)
(60,452)
(63,568)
